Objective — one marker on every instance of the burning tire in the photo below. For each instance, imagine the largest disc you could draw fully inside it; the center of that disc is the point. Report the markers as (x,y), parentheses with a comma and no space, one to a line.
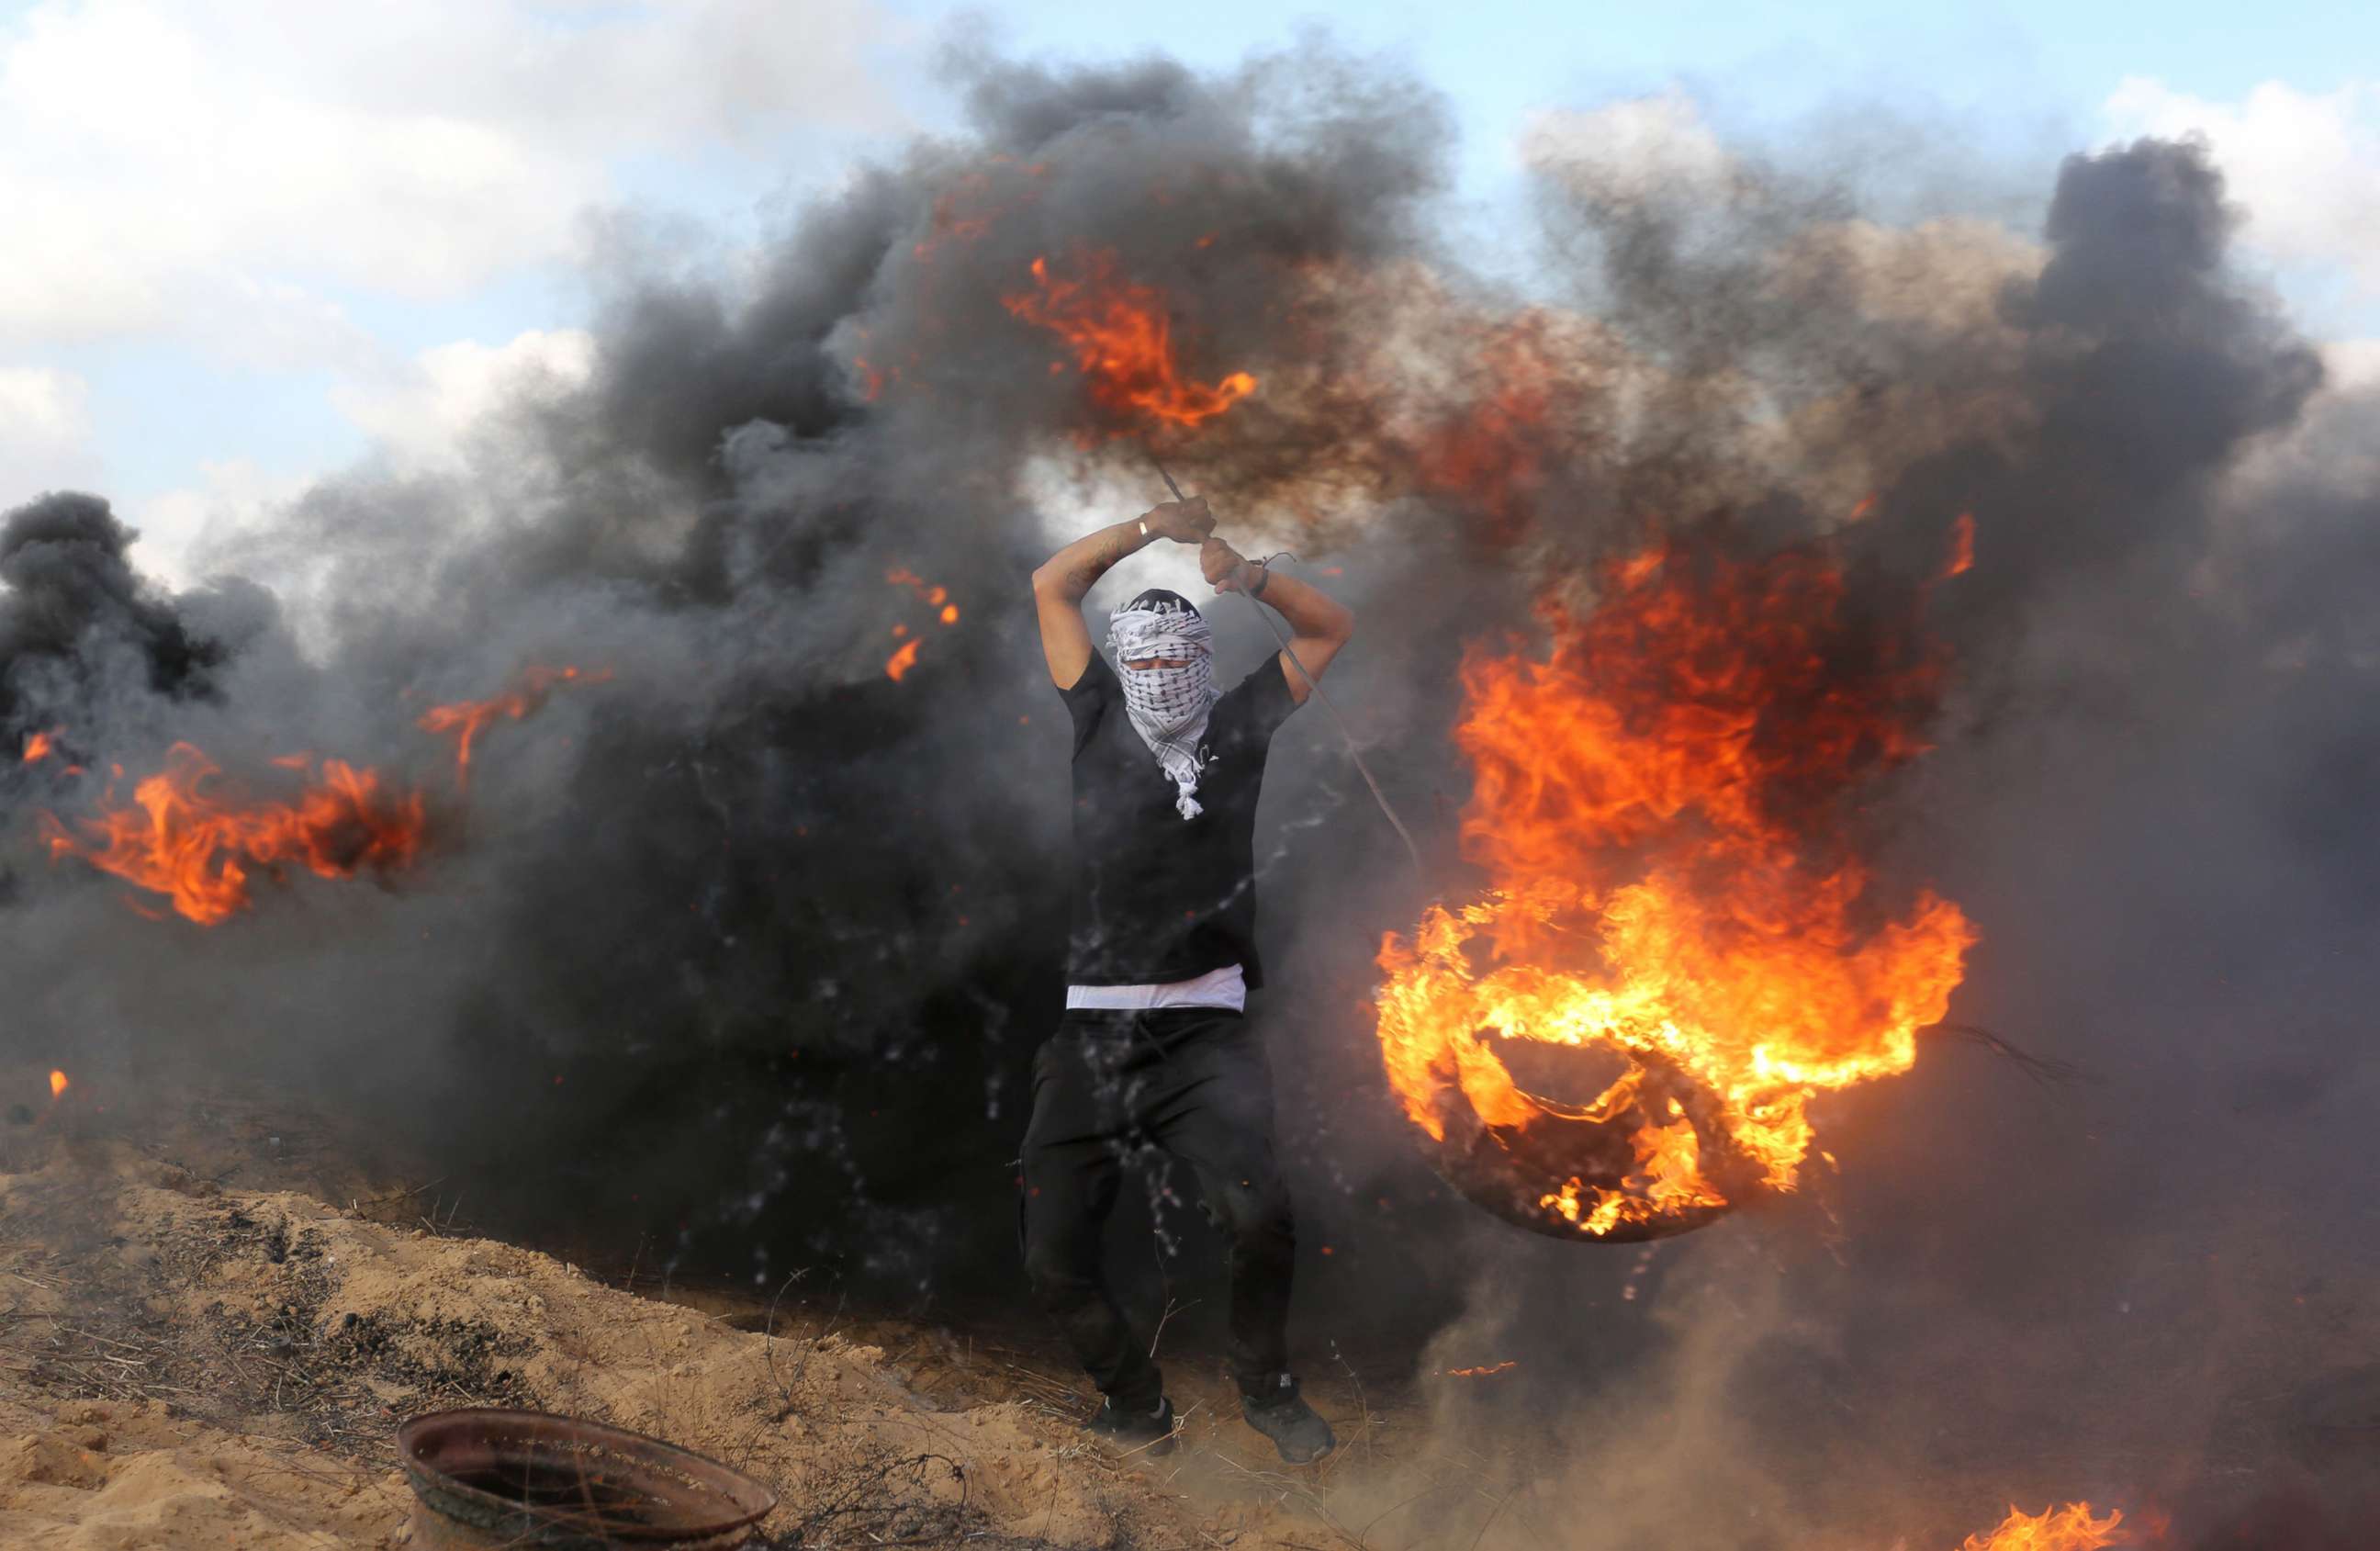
(1550,1173)
(1679,924)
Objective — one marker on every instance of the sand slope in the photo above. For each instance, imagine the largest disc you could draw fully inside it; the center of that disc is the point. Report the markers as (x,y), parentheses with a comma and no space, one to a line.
(194,1366)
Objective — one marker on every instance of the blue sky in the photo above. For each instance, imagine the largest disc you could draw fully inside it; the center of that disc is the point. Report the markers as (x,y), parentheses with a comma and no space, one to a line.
(135,365)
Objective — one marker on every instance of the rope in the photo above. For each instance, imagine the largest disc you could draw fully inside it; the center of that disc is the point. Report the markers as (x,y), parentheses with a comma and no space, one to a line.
(2043,1070)
(1315,689)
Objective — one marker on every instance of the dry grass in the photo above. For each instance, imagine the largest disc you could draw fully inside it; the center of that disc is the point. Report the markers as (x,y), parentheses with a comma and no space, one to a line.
(112,1332)
(242,1312)
(105,1317)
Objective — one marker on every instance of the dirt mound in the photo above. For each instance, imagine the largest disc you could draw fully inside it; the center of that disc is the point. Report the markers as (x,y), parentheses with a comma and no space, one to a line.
(101,1475)
(189,1365)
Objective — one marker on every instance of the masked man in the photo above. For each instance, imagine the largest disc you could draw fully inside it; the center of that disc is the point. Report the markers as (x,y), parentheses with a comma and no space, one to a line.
(1154,1058)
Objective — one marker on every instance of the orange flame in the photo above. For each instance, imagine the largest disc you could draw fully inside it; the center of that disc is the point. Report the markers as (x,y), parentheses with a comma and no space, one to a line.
(466,718)
(1504,1367)
(933,596)
(180,838)
(58,1083)
(2071,1528)
(1123,341)
(1660,804)
(927,593)
(947,224)
(872,376)
(1963,547)
(1494,454)
(40,746)
(976,188)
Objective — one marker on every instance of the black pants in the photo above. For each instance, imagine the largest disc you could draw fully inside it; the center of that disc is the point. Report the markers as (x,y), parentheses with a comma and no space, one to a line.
(1115,1088)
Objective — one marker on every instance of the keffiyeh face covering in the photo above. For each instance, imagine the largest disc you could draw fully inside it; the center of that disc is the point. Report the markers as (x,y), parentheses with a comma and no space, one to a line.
(1168,706)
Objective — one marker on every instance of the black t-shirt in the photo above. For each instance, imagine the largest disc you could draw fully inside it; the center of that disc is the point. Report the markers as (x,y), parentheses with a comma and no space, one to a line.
(1158,897)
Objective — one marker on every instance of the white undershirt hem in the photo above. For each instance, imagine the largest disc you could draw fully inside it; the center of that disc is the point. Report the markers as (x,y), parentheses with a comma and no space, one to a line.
(1226,988)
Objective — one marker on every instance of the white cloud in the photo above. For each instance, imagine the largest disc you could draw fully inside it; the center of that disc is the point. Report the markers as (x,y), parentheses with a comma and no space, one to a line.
(45,439)
(422,416)
(2305,165)
(157,157)
(41,405)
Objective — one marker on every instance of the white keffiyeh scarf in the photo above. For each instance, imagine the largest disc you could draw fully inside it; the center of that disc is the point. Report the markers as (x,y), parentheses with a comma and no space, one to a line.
(1168,706)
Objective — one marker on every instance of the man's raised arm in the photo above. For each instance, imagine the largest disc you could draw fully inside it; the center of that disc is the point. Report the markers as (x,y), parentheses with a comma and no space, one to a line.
(1318,623)
(1064,577)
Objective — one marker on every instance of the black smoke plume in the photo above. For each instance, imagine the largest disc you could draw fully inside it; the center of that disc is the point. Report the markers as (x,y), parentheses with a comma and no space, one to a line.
(736,960)
(77,622)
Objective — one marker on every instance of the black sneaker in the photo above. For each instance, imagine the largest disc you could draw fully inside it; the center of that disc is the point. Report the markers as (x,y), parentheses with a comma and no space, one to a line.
(1133,1431)
(1280,1413)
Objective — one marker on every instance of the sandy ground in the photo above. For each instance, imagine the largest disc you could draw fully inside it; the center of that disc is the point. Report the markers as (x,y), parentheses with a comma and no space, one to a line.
(261,1346)
(213,1319)
(188,1364)
(250,1354)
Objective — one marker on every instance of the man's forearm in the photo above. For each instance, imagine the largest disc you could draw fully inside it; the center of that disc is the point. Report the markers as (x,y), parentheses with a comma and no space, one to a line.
(1310,612)
(1071,571)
